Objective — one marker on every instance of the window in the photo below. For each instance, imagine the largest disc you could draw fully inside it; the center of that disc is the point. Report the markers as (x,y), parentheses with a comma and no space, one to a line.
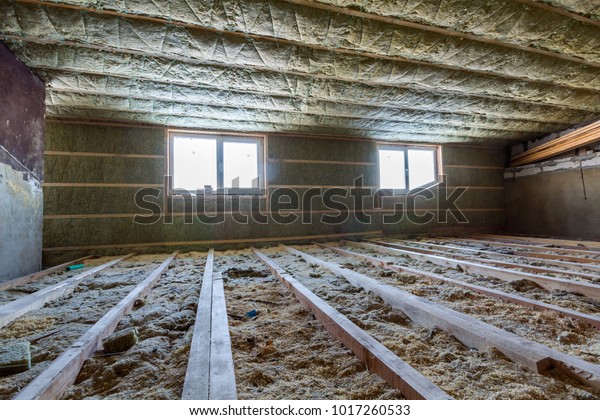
(201,163)
(407,167)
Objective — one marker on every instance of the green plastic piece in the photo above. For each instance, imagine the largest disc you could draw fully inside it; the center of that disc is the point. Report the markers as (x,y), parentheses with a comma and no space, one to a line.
(74,267)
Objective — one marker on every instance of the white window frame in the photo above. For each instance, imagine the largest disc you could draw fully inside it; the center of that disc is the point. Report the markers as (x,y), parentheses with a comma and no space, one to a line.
(221,138)
(405,148)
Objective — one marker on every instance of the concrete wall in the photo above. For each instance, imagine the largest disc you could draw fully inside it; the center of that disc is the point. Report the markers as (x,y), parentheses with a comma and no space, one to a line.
(21,167)
(549,199)
(90,188)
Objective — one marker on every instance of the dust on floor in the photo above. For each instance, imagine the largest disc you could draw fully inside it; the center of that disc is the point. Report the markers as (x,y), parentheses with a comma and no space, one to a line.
(68,318)
(155,367)
(546,327)
(462,372)
(16,292)
(283,352)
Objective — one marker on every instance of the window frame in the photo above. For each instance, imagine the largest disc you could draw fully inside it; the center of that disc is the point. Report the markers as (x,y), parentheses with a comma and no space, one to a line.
(436,149)
(221,138)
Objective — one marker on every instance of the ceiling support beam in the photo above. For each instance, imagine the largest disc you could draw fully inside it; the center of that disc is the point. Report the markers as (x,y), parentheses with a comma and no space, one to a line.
(575,139)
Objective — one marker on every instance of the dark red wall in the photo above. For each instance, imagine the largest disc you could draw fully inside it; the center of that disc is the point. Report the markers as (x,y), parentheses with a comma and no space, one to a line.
(22,97)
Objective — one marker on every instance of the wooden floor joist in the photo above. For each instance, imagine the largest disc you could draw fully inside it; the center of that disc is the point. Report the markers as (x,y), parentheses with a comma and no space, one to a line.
(378,358)
(196,382)
(467,329)
(210,374)
(493,262)
(541,251)
(221,384)
(34,276)
(563,243)
(509,297)
(537,247)
(550,283)
(63,372)
(594,266)
(21,306)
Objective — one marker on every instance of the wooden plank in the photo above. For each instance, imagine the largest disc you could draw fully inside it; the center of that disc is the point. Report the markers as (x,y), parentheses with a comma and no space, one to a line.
(95,154)
(507,264)
(63,372)
(524,245)
(573,140)
(550,283)
(378,358)
(509,297)
(195,386)
(530,256)
(21,306)
(564,243)
(566,256)
(467,329)
(215,242)
(34,276)
(324,162)
(222,376)
(99,184)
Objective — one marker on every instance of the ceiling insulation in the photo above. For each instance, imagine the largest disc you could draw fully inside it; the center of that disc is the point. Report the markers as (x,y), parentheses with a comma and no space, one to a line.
(495,72)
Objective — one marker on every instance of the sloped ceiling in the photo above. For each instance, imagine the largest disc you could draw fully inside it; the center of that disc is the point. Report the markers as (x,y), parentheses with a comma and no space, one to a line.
(492,72)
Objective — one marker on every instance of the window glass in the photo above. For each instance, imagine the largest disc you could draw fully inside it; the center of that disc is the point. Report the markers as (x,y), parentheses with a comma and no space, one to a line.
(421,167)
(194,163)
(240,164)
(392,169)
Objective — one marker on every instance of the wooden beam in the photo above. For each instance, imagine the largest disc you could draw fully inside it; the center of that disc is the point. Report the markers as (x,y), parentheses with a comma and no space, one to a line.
(565,255)
(506,264)
(215,242)
(575,139)
(565,243)
(563,12)
(529,255)
(98,185)
(361,52)
(378,358)
(524,245)
(34,276)
(323,162)
(63,372)
(550,283)
(509,297)
(21,306)
(195,386)
(466,329)
(95,154)
(222,376)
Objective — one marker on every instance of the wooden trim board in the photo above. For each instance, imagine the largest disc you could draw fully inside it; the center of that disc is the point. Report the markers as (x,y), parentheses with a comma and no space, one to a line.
(468,330)
(63,372)
(21,306)
(550,283)
(378,358)
(34,276)
(215,242)
(509,297)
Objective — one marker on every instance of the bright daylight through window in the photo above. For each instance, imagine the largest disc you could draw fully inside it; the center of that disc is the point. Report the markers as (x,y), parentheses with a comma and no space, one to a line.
(406,168)
(203,163)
